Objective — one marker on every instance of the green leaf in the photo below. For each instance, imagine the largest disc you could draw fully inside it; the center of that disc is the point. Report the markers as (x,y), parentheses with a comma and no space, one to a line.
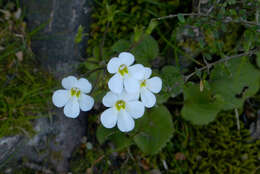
(138,33)
(241,82)
(162,97)
(121,45)
(99,94)
(120,140)
(258,59)
(173,81)
(90,65)
(200,107)
(111,12)
(103,133)
(207,56)
(96,52)
(146,50)
(155,130)
(181,18)
(79,36)
(152,25)
(248,39)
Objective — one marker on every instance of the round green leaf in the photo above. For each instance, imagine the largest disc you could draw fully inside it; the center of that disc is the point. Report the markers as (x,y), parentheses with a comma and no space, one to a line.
(103,133)
(236,82)
(146,50)
(181,18)
(200,107)
(119,139)
(155,130)
(121,45)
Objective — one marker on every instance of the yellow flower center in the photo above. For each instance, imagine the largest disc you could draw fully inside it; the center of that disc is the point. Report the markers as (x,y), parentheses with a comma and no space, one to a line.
(143,84)
(123,69)
(75,92)
(120,104)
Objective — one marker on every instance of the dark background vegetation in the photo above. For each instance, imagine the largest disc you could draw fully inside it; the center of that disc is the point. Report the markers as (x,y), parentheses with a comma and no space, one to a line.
(207,54)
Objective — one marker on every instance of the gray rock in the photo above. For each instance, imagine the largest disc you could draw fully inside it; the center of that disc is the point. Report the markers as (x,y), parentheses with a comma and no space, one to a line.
(54,45)
(57,136)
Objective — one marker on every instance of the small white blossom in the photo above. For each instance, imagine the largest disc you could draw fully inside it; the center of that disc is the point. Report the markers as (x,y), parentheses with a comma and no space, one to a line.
(73,97)
(125,75)
(148,87)
(123,109)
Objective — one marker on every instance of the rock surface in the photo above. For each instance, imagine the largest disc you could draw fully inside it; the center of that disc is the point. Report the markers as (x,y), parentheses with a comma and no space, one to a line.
(54,47)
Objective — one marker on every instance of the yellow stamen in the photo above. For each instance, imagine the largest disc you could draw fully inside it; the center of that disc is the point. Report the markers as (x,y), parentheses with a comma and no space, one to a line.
(78,94)
(123,69)
(120,104)
(143,84)
(75,92)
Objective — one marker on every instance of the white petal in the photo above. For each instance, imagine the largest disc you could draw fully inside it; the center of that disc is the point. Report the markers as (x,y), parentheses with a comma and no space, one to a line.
(131,85)
(109,118)
(86,102)
(113,65)
(154,84)
(109,99)
(71,109)
(147,72)
(60,97)
(126,96)
(69,82)
(84,85)
(147,98)
(135,109)
(126,58)
(115,84)
(137,71)
(125,122)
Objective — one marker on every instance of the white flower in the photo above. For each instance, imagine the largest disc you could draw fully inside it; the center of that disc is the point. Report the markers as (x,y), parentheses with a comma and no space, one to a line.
(73,97)
(124,108)
(125,75)
(148,87)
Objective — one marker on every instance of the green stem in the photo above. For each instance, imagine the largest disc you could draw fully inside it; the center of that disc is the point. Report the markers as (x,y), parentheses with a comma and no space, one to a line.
(94,70)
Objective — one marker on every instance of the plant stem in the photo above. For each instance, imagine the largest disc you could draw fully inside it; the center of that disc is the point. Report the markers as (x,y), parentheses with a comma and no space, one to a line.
(135,44)
(183,14)
(208,66)
(237,117)
(225,20)
(94,70)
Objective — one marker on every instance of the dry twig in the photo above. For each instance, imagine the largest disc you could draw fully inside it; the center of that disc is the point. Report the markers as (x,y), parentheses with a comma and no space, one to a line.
(208,66)
(237,117)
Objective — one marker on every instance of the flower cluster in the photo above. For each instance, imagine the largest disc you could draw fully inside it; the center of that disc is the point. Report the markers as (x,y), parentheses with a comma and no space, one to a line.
(128,84)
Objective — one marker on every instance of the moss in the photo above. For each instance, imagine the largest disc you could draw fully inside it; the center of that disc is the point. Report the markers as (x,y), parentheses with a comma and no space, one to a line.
(128,15)
(216,148)
(24,88)
(24,170)
(84,159)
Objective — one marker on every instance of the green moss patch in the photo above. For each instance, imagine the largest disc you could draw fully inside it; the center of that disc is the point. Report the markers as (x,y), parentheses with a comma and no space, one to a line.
(24,88)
